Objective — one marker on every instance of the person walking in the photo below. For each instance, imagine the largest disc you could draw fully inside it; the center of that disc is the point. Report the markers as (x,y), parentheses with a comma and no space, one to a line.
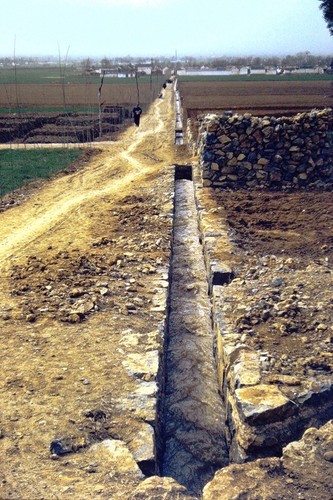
(137,114)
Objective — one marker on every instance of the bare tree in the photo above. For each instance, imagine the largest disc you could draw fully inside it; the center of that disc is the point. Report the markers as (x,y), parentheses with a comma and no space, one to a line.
(106,63)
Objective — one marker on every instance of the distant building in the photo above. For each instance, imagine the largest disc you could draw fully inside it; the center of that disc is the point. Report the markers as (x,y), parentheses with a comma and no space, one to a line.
(146,69)
(127,70)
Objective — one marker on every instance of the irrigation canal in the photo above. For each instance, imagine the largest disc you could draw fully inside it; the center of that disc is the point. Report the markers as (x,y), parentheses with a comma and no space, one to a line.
(194,416)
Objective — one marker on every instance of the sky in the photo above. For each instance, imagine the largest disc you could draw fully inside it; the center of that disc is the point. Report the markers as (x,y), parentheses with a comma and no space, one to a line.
(150,28)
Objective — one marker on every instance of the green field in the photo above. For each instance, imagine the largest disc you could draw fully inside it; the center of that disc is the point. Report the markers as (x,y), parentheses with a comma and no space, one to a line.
(19,167)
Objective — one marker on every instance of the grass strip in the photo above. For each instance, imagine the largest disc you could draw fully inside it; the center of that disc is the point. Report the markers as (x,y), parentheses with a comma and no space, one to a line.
(19,167)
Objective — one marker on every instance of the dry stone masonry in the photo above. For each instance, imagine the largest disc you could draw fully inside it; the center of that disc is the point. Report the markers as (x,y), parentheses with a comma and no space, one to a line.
(246,151)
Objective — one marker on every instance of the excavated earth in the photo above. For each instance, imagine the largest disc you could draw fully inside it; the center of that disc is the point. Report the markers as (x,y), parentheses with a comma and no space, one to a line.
(84,261)
(281,298)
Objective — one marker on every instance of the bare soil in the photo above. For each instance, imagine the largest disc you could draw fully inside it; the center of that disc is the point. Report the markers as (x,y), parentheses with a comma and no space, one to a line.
(68,126)
(72,94)
(79,259)
(256,97)
(282,297)
(281,300)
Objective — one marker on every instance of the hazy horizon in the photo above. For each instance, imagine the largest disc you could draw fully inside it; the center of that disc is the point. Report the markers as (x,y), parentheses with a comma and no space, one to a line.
(146,58)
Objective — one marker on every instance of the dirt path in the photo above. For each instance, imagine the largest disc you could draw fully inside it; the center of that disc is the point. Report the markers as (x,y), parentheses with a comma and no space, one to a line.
(81,261)
(112,172)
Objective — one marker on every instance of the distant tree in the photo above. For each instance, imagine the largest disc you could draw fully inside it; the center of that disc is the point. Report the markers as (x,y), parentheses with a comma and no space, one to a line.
(219,63)
(86,64)
(256,63)
(106,63)
(327,7)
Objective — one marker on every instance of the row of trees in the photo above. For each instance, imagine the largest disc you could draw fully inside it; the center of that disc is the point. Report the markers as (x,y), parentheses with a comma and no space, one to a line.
(300,60)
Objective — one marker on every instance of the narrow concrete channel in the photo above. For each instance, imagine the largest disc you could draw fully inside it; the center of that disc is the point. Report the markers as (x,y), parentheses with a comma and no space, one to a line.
(193,425)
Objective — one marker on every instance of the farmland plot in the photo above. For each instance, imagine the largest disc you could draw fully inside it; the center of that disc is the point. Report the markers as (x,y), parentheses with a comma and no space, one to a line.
(69,112)
(259,97)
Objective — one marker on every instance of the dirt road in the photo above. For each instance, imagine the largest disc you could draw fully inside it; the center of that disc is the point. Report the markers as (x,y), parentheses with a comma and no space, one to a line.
(80,263)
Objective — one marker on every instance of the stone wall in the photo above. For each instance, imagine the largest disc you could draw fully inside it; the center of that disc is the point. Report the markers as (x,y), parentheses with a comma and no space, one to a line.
(246,151)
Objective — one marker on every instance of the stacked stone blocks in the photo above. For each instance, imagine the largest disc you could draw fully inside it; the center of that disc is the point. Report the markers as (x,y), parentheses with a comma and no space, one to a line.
(246,151)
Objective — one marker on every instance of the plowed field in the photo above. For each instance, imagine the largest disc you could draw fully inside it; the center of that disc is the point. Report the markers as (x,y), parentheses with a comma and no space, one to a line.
(73,94)
(257,97)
